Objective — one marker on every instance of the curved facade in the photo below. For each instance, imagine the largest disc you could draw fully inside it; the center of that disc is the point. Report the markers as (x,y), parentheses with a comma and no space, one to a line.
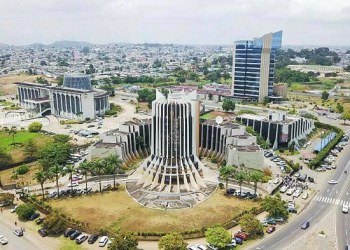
(77,81)
(173,165)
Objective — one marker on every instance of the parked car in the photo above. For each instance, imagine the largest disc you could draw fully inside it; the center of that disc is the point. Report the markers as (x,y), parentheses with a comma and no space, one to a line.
(34,216)
(298,192)
(106,187)
(52,194)
(3,240)
(42,232)
(276,181)
(74,235)
(62,192)
(200,247)
(39,220)
(302,178)
(79,191)
(321,169)
(81,238)
(14,209)
(229,245)
(305,196)
(241,235)
(69,232)
(297,174)
(291,205)
(252,196)
(271,229)
(18,232)
(103,241)
(93,238)
(270,221)
(283,189)
(73,184)
(290,191)
(239,241)
(310,179)
(89,189)
(305,225)
(345,209)
(279,219)
(230,191)
(292,210)
(334,166)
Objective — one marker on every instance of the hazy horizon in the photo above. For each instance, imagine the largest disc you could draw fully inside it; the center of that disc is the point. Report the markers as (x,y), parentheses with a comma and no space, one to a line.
(191,22)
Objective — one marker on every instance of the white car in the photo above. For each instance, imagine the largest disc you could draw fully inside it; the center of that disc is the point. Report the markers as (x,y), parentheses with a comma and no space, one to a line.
(345,209)
(283,189)
(290,191)
(332,182)
(210,246)
(103,241)
(3,240)
(297,193)
(200,247)
(276,181)
(305,196)
(14,209)
(290,205)
(73,184)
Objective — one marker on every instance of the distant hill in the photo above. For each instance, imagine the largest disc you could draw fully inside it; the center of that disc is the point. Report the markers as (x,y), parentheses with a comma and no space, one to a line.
(38,45)
(67,44)
(3,45)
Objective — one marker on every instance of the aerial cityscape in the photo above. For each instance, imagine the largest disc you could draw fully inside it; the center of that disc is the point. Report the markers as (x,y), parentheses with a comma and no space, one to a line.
(174,125)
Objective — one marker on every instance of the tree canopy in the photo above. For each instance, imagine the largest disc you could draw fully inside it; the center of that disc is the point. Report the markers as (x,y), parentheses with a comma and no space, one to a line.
(54,223)
(172,241)
(123,240)
(252,225)
(35,127)
(218,237)
(228,105)
(275,206)
(25,211)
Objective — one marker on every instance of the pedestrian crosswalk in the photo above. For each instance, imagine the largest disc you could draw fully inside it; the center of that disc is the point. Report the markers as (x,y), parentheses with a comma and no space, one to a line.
(331,200)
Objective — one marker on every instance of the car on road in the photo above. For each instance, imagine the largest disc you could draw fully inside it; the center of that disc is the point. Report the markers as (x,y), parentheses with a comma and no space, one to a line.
(42,232)
(14,209)
(34,216)
(271,229)
(69,232)
(345,209)
(332,182)
(305,196)
(103,241)
(73,184)
(93,238)
(18,232)
(81,238)
(305,225)
(74,235)
(3,240)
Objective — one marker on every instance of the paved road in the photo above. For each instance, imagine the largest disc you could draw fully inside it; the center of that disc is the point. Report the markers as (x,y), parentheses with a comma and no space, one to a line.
(326,201)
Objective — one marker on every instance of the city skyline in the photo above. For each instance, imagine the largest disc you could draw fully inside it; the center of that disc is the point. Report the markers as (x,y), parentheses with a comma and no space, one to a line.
(202,23)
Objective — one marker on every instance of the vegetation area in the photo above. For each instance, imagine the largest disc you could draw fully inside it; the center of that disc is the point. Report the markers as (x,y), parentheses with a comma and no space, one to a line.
(113,109)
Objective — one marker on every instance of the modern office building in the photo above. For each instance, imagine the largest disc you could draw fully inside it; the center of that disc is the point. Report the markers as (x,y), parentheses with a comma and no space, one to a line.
(278,128)
(76,99)
(253,67)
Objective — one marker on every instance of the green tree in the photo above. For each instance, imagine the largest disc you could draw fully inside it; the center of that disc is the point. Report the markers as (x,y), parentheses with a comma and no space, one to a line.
(35,127)
(123,240)
(7,198)
(55,171)
(240,177)
(42,80)
(266,100)
(54,223)
(13,133)
(5,158)
(345,117)
(252,225)
(41,176)
(256,177)
(226,172)
(56,153)
(210,96)
(218,237)
(340,108)
(324,95)
(291,147)
(70,170)
(114,161)
(60,138)
(85,167)
(172,241)
(25,211)
(98,168)
(228,105)
(275,206)
(30,149)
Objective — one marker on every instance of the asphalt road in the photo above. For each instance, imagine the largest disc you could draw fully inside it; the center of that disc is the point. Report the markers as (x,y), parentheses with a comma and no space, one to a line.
(316,211)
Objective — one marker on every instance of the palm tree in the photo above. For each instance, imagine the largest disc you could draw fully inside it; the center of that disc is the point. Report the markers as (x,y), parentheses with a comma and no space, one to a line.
(41,176)
(55,171)
(99,167)
(70,170)
(115,162)
(86,167)
(256,177)
(226,172)
(13,132)
(240,178)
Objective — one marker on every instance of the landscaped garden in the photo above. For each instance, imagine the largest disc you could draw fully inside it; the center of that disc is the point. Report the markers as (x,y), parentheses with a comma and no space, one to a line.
(117,209)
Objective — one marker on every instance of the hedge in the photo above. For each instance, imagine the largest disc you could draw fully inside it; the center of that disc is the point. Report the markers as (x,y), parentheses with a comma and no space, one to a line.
(324,153)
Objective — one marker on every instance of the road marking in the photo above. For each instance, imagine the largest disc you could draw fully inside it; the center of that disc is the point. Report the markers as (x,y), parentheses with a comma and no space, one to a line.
(336,191)
(346,231)
(347,194)
(341,203)
(327,190)
(337,202)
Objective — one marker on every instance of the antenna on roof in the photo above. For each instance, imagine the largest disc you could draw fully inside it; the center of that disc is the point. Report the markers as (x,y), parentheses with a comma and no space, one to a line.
(219,120)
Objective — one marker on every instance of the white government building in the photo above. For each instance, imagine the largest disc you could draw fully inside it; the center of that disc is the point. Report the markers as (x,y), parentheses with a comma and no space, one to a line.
(75,99)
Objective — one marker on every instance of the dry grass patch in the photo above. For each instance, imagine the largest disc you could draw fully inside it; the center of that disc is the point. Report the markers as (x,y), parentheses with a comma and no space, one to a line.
(26,179)
(7,85)
(114,209)
(214,114)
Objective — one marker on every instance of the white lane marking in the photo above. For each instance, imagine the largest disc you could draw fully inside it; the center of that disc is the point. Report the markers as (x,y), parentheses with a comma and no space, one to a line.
(323,199)
(337,202)
(347,194)
(341,203)
(327,190)
(346,231)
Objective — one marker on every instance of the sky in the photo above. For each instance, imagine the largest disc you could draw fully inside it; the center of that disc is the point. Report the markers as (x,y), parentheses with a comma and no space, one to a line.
(304,22)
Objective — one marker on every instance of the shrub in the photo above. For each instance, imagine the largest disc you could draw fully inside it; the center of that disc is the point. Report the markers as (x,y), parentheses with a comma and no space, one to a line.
(21,170)
(35,127)
(25,211)
(221,185)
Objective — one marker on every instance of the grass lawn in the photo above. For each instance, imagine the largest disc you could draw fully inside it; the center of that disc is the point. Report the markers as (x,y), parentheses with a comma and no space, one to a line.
(113,209)
(21,138)
(68,244)
(26,178)
(214,114)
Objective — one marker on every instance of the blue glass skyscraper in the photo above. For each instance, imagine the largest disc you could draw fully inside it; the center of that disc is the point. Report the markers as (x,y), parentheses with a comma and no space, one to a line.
(253,67)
